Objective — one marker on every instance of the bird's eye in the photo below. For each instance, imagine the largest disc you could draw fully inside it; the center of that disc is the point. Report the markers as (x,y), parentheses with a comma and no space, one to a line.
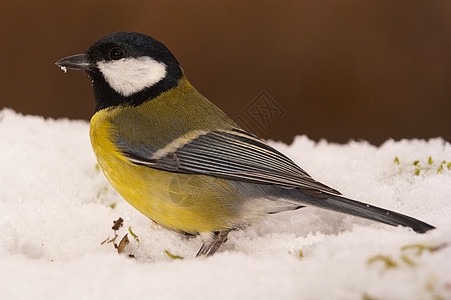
(117,53)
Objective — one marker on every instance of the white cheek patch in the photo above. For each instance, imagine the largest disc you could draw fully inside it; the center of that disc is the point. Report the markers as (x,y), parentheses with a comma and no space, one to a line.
(131,75)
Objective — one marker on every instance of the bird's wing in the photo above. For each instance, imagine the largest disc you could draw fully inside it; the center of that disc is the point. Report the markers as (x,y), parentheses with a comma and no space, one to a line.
(232,154)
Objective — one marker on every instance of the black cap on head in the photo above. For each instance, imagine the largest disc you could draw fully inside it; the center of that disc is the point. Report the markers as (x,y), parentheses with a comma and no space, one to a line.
(135,45)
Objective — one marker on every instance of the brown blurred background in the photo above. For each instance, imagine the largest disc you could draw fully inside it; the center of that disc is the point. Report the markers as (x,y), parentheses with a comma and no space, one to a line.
(338,70)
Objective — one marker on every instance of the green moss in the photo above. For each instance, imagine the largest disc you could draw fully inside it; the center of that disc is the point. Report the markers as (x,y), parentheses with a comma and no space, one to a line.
(365,296)
(421,248)
(430,166)
(135,237)
(388,262)
(172,255)
(442,166)
(407,260)
(408,257)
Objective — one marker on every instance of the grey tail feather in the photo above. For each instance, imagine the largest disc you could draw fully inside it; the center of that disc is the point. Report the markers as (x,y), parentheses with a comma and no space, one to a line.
(363,210)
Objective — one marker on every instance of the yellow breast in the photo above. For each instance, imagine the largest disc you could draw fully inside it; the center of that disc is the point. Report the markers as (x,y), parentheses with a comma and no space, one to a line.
(182,202)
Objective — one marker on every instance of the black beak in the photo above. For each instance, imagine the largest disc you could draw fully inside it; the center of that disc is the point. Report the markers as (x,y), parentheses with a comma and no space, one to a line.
(76,62)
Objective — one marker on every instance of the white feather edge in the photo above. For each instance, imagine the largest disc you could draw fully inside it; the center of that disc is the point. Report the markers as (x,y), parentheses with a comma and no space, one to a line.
(178,143)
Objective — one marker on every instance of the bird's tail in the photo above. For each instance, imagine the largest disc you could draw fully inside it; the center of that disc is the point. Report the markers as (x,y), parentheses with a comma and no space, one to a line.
(363,210)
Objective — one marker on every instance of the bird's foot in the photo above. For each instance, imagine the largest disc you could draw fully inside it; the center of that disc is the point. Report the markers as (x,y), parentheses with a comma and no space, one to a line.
(212,243)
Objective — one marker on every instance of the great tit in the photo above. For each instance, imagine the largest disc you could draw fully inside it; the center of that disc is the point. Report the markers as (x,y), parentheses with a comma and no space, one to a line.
(180,160)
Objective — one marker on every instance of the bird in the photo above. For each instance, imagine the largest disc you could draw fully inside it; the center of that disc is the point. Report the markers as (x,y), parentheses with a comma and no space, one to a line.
(180,160)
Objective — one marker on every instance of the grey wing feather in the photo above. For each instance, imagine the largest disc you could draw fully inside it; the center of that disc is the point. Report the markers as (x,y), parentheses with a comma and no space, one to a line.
(232,154)
(239,156)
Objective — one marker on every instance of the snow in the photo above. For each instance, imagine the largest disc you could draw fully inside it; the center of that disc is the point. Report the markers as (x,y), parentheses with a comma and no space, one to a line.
(56,208)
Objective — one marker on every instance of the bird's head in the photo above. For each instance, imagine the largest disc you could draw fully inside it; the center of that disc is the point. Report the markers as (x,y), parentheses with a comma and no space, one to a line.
(127,68)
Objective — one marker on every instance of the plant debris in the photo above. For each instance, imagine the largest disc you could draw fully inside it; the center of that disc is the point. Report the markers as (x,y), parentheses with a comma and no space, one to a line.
(172,255)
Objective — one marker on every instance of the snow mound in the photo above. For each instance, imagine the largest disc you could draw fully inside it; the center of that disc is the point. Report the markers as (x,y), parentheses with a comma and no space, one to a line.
(56,209)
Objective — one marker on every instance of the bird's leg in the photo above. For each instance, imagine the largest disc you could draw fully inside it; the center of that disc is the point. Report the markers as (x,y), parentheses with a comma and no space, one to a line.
(213,243)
